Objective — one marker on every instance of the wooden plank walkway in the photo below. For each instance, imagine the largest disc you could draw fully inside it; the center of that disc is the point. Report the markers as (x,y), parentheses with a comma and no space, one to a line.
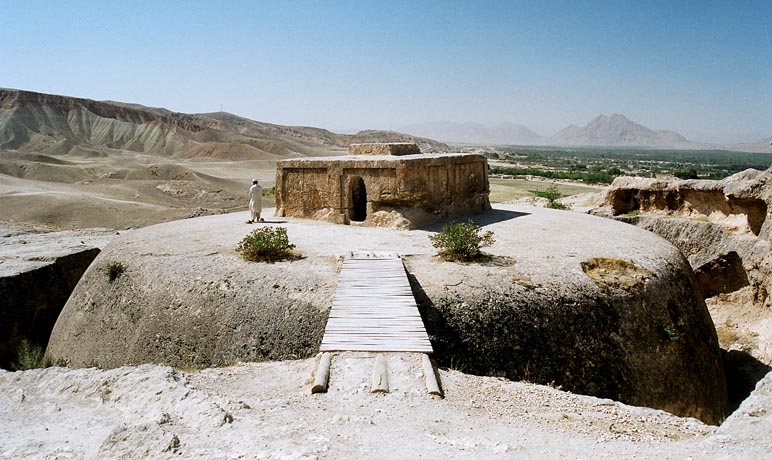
(374,309)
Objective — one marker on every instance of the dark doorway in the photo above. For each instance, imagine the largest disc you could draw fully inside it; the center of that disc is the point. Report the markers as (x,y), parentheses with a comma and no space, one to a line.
(358,205)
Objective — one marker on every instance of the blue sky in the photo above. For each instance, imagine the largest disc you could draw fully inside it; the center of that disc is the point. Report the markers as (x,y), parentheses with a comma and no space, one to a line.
(702,68)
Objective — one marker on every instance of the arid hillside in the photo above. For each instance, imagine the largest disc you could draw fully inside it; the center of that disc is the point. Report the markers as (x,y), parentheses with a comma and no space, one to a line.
(75,162)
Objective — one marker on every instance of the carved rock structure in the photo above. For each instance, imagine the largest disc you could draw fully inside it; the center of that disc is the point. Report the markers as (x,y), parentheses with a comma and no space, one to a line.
(382,185)
(599,307)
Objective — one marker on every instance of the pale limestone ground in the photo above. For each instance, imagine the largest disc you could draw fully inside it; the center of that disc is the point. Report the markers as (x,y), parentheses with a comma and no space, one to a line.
(266,411)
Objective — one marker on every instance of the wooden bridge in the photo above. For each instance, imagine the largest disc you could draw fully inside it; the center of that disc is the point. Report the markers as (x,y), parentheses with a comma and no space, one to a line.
(373,310)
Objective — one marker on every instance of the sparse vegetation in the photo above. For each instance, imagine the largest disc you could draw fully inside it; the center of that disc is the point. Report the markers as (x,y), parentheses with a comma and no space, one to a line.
(29,356)
(552,195)
(266,244)
(670,331)
(269,192)
(462,241)
(114,270)
(507,189)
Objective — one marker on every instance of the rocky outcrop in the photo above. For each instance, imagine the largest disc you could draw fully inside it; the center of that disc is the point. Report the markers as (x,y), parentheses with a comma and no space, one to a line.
(594,306)
(724,229)
(192,303)
(620,333)
(38,271)
(741,203)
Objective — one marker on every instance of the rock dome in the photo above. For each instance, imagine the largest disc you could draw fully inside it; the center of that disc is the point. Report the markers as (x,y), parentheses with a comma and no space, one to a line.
(595,306)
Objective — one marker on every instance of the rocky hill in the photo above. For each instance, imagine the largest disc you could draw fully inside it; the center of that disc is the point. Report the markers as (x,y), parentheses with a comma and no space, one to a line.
(724,228)
(618,130)
(51,124)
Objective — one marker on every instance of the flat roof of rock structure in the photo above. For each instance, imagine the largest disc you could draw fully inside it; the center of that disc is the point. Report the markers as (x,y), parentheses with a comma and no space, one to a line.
(381,148)
(383,185)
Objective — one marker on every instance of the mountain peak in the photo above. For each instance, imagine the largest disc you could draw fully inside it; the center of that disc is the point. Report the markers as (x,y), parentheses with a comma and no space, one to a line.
(618,130)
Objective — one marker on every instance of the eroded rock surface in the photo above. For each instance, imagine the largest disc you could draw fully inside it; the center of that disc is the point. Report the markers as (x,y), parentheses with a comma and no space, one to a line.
(724,228)
(187,299)
(740,203)
(258,410)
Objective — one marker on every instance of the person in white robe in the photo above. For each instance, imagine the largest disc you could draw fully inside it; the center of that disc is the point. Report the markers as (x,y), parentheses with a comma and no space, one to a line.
(255,202)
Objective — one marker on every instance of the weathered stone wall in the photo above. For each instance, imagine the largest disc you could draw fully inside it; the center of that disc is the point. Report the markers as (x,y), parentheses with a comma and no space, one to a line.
(402,192)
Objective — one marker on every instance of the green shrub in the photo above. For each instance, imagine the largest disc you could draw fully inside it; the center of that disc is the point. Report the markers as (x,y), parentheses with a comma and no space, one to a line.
(266,244)
(690,173)
(552,195)
(114,270)
(28,356)
(461,241)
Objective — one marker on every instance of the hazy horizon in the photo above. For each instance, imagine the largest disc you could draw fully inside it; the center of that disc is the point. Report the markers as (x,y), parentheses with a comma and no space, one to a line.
(703,69)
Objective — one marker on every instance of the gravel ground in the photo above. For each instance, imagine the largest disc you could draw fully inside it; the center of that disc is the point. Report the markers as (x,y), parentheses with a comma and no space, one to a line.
(266,411)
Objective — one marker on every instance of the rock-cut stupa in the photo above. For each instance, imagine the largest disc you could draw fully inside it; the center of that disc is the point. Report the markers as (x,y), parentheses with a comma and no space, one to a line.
(382,185)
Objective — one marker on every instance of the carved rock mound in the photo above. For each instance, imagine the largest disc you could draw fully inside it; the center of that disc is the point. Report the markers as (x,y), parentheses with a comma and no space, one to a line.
(597,306)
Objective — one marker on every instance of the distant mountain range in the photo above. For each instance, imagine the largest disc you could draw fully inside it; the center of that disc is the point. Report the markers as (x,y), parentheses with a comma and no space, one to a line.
(477,133)
(51,124)
(609,131)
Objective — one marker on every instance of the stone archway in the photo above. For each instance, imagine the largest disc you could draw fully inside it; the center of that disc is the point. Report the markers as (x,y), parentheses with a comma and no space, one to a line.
(357,211)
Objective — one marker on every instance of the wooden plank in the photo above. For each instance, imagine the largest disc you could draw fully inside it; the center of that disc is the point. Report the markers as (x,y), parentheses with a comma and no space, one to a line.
(373,309)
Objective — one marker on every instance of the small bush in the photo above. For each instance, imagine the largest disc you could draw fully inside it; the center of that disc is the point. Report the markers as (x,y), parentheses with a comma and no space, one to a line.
(269,192)
(552,195)
(690,173)
(266,244)
(462,241)
(114,270)
(29,356)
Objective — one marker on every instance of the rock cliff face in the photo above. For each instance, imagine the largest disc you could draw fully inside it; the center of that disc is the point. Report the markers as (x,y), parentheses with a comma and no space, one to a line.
(38,271)
(594,306)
